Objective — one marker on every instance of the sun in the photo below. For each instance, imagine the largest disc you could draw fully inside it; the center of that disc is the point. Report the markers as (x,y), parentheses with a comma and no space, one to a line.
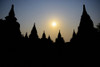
(54,24)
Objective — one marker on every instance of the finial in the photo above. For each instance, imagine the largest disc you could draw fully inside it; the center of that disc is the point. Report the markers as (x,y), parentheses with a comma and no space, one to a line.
(84,9)
(59,34)
(49,37)
(34,23)
(74,34)
(12,5)
(26,35)
(44,35)
(11,13)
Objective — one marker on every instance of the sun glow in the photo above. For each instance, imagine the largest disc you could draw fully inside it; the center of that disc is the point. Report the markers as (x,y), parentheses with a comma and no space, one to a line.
(54,24)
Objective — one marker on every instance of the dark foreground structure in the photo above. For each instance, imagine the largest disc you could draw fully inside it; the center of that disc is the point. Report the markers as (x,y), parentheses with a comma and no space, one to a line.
(19,51)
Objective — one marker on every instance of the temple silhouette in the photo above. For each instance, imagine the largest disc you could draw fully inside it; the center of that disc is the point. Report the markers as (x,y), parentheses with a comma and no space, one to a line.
(23,51)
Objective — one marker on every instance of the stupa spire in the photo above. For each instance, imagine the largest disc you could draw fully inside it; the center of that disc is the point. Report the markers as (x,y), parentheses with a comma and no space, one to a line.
(12,13)
(84,10)
(44,35)
(34,34)
(59,34)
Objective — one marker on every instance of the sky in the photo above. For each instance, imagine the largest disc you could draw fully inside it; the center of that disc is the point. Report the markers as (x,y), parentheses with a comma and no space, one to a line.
(66,14)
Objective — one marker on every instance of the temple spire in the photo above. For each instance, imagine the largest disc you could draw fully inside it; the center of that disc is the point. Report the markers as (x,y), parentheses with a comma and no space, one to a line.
(11,16)
(59,34)
(84,10)
(85,21)
(34,25)
(12,13)
(34,29)
(26,36)
(34,34)
(73,39)
(74,34)
(44,35)
(49,38)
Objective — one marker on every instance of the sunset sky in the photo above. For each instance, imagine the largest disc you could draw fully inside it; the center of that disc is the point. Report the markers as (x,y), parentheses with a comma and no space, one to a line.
(64,14)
